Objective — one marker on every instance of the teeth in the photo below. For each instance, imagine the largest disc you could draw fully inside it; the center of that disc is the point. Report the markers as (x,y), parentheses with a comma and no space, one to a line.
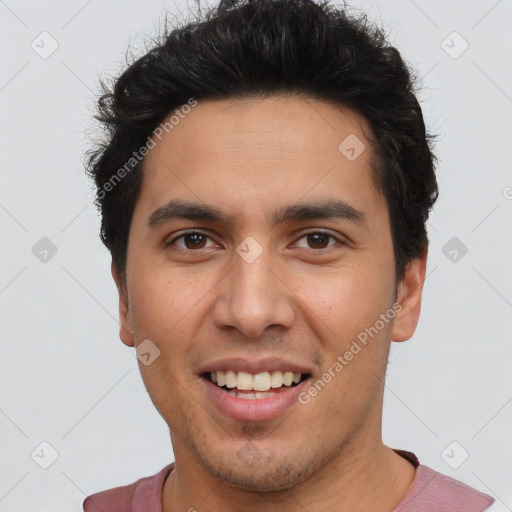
(251,396)
(230,379)
(243,381)
(259,382)
(277,379)
(288,378)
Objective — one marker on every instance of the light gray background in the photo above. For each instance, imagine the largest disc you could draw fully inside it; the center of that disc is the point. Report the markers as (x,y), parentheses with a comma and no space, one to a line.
(67,380)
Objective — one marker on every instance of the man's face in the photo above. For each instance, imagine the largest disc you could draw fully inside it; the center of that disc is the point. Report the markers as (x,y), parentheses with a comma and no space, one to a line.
(255,293)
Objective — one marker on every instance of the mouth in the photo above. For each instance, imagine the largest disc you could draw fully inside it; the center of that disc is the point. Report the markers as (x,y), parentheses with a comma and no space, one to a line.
(256,386)
(253,397)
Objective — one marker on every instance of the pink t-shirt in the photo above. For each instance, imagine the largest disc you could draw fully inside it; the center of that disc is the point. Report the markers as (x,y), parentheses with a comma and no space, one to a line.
(430,491)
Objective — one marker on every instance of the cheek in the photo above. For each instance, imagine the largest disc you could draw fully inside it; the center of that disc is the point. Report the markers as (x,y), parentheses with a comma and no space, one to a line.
(161,303)
(347,300)
(167,311)
(165,316)
(352,328)
(166,390)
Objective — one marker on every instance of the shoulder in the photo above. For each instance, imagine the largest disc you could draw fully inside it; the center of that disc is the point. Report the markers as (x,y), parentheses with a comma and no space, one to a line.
(431,490)
(144,495)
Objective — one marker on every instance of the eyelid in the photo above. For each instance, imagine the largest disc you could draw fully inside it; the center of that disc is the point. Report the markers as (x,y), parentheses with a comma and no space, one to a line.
(321,231)
(186,233)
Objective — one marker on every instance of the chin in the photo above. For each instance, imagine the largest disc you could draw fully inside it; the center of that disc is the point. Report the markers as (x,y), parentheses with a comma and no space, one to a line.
(254,471)
(264,477)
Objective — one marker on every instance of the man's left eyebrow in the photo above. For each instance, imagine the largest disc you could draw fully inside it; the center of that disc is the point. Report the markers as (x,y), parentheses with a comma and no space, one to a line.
(335,209)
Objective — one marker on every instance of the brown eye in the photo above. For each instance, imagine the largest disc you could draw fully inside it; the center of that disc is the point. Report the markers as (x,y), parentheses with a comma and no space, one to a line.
(318,240)
(196,240)
(191,241)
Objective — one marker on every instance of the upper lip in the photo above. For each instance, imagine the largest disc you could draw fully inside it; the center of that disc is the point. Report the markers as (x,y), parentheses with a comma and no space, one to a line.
(240,364)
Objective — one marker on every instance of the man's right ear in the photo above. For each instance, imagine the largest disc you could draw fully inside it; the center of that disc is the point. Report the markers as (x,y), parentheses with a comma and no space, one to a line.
(125,324)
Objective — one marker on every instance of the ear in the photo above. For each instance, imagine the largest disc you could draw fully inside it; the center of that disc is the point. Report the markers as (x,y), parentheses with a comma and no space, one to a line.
(125,324)
(409,297)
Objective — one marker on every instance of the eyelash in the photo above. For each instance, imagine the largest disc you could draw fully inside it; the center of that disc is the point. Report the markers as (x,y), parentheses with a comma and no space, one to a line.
(314,232)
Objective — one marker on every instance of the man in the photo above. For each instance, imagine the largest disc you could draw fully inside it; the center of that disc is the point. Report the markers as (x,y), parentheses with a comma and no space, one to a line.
(264,189)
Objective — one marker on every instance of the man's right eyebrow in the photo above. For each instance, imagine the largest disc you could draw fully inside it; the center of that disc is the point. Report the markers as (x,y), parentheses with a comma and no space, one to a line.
(177,209)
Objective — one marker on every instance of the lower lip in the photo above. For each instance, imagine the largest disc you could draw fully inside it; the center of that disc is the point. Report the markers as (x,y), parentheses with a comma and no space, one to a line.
(257,409)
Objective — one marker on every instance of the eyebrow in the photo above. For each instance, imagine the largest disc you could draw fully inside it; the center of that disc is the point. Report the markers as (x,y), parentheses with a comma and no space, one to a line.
(337,209)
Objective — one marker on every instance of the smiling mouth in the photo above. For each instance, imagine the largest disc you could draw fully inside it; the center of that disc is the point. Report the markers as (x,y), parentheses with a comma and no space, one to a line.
(255,386)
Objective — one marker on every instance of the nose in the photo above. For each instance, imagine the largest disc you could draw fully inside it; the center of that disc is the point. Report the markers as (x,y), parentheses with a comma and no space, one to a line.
(253,297)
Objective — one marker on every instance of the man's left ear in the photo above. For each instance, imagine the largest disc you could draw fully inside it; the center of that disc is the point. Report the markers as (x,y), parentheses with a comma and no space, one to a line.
(125,324)
(409,297)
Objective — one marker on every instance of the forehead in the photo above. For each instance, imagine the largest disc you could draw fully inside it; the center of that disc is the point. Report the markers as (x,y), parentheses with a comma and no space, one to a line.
(252,154)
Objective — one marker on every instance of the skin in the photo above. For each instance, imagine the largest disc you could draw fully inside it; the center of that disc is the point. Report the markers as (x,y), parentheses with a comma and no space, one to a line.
(249,158)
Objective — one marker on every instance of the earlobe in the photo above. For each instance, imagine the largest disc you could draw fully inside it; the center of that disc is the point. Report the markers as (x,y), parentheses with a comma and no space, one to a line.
(125,325)
(409,297)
